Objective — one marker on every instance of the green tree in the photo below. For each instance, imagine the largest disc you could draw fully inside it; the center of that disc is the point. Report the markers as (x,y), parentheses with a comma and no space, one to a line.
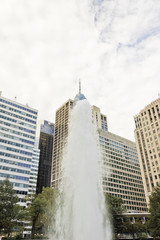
(137,228)
(154,221)
(122,223)
(42,209)
(9,210)
(114,205)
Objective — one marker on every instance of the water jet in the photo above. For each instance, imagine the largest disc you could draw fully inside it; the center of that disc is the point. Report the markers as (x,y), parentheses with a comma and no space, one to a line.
(81,211)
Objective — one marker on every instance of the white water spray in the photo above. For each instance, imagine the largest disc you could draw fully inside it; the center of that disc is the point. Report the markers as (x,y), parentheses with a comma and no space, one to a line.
(81,213)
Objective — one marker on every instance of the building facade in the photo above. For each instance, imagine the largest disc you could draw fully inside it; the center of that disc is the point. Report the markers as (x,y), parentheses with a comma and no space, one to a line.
(61,133)
(122,175)
(45,160)
(119,159)
(99,119)
(147,136)
(17,153)
(34,171)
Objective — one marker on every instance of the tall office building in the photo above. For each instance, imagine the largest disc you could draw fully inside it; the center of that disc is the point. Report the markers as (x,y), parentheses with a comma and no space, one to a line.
(61,133)
(147,135)
(119,156)
(45,160)
(123,176)
(18,157)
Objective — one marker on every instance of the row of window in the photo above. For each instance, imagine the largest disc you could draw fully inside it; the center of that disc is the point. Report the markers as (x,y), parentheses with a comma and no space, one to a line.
(17,116)
(123,187)
(15,163)
(115,160)
(33,183)
(18,111)
(35,162)
(33,174)
(15,150)
(33,178)
(123,175)
(127,194)
(14,170)
(132,157)
(135,203)
(34,170)
(18,127)
(136,208)
(15,144)
(22,185)
(35,165)
(121,162)
(124,184)
(125,180)
(118,166)
(15,156)
(17,122)
(16,132)
(5,175)
(22,193)
(124,159)
(129,155)
(18,106)
(115,143)
(16,138)
(129,205)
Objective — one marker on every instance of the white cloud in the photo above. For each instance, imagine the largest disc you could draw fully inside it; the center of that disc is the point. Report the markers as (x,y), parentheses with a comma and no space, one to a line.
(112,45)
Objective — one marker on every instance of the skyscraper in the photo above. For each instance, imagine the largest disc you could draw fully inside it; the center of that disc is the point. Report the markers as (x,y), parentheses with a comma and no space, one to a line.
(45,160)
(147,135)
(61,133)
(123,176)
(119,156)
(17,151)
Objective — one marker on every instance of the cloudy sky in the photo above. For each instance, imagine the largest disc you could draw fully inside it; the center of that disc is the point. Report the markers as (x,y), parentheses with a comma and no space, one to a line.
(113,46)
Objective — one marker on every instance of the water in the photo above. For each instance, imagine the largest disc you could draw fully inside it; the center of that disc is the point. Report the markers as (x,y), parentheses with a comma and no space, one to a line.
(81,212)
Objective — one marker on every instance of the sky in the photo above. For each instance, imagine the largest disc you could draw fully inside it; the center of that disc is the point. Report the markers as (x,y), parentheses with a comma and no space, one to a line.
(113,46)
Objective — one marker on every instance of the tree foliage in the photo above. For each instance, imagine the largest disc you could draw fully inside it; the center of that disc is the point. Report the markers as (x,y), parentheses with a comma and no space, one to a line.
(139,227)
(154,221)
(42,210)
(122,223)
(9,210)
(114,205)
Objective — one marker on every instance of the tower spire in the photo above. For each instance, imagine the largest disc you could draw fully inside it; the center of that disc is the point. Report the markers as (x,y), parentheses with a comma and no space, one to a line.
(79,86)
(79,96)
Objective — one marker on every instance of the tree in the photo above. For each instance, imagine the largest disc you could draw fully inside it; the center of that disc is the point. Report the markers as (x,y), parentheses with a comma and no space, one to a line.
(9,209)
(122,223)
(154,221)
(138,227)
(42,210)
(114,204)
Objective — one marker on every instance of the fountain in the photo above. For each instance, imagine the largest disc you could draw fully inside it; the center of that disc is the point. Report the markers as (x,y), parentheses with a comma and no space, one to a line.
(81,212)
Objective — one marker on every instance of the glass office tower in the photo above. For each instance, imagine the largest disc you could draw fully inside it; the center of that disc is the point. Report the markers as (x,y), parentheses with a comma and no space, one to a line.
(17,140)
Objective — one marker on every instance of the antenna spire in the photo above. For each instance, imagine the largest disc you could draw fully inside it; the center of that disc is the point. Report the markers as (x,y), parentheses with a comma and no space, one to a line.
(79,95)
(79,86)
